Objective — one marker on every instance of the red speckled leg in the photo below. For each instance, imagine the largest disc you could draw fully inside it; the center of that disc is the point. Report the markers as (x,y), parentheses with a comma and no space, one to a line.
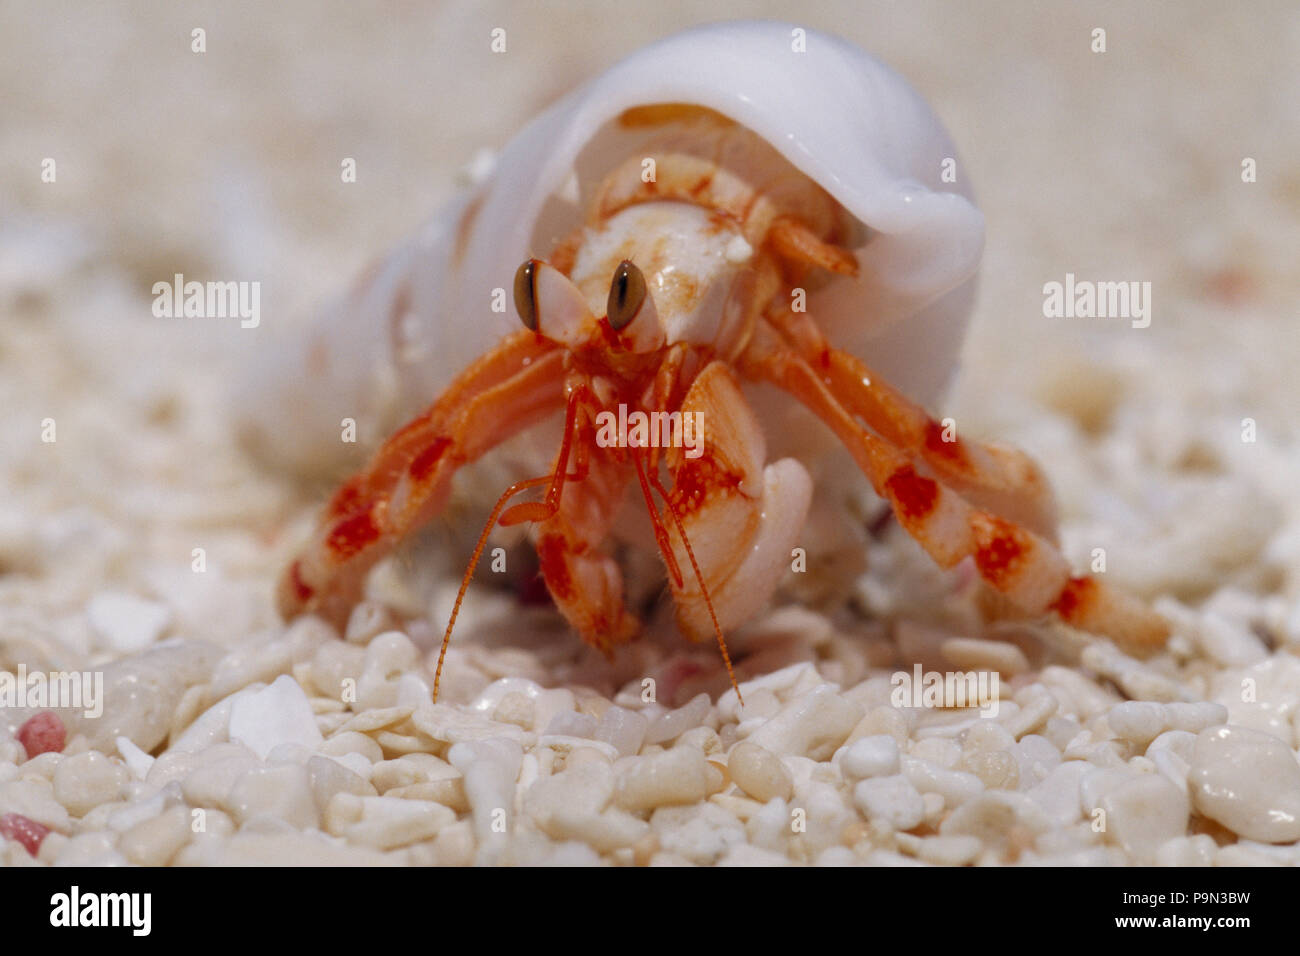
(406,483)
(586,583)
(1018,562)
(587,586)
(1002,480)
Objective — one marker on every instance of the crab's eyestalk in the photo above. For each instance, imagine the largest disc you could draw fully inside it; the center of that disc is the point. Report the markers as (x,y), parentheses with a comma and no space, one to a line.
(526,294)
(630,310)
(627,294)
(549,304)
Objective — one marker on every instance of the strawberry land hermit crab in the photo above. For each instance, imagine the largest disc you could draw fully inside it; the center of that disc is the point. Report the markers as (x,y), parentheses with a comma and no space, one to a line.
(724,210)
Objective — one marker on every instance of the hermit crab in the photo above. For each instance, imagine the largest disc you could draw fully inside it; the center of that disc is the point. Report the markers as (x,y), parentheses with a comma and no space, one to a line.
(746,227)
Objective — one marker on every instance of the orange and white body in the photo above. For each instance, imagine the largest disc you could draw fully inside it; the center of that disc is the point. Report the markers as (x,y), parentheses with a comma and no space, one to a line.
(698,248)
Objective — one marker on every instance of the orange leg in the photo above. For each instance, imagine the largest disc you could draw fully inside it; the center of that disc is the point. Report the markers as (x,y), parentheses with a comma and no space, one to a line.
(586,583)
(665,547)
(1021,564)
(1003,480)
(408,480)
(579,399)
(732,518)
(794,240)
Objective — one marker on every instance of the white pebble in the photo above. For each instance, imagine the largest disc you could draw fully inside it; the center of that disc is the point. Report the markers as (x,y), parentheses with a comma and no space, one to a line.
(385,823)
(90,849)
(275,715)
(487,700)
(759,772)
(278,849)
(976,654)
(701,834)
(570,723)
(1249,781)
(210,727)
(1138,721)
(831,856)
(34,799)
(141,694)
(490,768)
(1078,695)
(388,657)
(1037,704)
(1171,753)
(137,761)
(368,619)
(209,784)
(137,812)
(996,818)
(1196,850)
(353,742)
(254,663)
(955,786)
(574,805)
(1229,642)
(282,792)
(1141,722)
(125,623)
(676,776)
(1058,793)
(893,801)
(516,709)
(155,841)
(1145,812)
(942,850)
(813,725)
(83,781)
(1137,680)
(329,776)
(987,735)
(943,751)
(1036,756)
(624,729)
(875,756)
(785,684)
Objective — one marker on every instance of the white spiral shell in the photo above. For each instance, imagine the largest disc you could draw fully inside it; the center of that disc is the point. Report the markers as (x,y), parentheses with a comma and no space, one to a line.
(838,115)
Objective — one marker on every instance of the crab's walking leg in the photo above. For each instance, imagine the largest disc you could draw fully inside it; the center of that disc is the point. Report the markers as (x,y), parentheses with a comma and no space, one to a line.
(408,480)
(1003,480)
(1016,561)
(586,583)
(588,587)
(742,518)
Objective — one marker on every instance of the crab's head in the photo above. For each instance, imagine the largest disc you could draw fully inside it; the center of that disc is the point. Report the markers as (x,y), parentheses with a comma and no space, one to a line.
(649,276)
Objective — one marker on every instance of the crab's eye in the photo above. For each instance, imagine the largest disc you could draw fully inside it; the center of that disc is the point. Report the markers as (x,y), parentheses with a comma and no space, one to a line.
(626,293)
(526,294)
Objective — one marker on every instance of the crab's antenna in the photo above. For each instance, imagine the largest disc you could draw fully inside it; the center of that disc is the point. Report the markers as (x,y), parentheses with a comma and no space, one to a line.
(529,511)
(661,533)
(690,553)
(510,492)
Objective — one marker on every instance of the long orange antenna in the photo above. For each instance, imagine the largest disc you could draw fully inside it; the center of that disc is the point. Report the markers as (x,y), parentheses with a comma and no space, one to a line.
(690,553)
(661,533)
(528,511)
(510,492)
